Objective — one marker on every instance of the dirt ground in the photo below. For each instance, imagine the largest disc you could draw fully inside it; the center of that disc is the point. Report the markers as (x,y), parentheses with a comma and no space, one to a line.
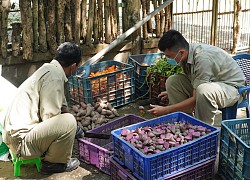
(85,171)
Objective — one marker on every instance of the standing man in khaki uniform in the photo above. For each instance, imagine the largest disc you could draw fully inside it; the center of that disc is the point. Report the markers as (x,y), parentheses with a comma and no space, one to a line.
(35,123)
(210,82)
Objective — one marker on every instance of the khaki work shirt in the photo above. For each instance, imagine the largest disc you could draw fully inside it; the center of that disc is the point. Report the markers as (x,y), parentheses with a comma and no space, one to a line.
(208,63)
(38,98)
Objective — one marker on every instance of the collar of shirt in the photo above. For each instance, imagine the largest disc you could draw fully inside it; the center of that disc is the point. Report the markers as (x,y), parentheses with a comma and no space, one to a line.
(60,69)
(190,59)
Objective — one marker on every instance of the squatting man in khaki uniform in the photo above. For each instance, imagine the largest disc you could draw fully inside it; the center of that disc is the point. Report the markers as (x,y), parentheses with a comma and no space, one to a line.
(35,123)
(210,82)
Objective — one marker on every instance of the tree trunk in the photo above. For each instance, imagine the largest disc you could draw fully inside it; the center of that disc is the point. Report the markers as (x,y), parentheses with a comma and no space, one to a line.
(236,26)
(4,9)
(60,20)
(108,37)
(42,27)
(16,38)
(26,18)
(77,21)
(90,22)
(68,23)
(83,20)
(35,24)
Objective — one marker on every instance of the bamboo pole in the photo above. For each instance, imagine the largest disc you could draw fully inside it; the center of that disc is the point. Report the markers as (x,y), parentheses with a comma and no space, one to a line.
(214,22)
(99,55)
(236,25)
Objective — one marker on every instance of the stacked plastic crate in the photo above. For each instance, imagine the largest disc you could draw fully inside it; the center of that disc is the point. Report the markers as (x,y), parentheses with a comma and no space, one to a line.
(140,63)
(234,155)
(98,152)
(115,87)
(192,160)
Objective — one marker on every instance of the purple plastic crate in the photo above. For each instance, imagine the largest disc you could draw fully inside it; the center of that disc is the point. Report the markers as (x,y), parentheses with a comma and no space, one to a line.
(98,151)
(202,171)
(168,162)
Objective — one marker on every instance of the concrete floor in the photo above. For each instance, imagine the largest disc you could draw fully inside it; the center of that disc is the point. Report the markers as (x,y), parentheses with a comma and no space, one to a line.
(86,172)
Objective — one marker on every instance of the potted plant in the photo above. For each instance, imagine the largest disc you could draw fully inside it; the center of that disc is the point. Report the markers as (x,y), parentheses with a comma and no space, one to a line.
(158,74)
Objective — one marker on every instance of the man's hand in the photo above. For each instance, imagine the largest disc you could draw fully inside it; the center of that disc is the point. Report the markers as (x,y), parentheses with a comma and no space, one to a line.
(158,110)
(163,96)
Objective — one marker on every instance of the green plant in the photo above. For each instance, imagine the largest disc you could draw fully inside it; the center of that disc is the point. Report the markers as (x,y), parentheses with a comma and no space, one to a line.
(161,67)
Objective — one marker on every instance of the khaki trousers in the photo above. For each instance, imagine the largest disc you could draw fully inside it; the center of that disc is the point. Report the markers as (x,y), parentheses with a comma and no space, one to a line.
(55,136)
(209,96)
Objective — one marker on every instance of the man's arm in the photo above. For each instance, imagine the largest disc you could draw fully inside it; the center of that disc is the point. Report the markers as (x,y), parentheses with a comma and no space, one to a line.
(181,106)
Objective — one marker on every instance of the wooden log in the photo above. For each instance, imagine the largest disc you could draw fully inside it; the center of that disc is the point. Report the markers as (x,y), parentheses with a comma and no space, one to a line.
(60,20)
(157,20)
(100,21)
(149,23)
(68,22)
(236,25)
(26,18)
(51,28)
(35,24)
(108,37)
(132,9)
(84,20)
(114,18)
(95,25)
(144,13)
(162,19)
(77,21)
(168,17)
(90,23)
(16,38)
(42,27)
(4,10)
(73,14)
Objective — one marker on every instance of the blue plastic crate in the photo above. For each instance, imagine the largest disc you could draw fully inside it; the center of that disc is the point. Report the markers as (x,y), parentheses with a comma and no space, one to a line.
(168,162)
(116,87)
(141,62)
(201,171)
(234,155)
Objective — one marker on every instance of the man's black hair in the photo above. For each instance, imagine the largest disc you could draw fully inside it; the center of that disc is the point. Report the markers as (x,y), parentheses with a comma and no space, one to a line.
(68,53)
(172,40)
